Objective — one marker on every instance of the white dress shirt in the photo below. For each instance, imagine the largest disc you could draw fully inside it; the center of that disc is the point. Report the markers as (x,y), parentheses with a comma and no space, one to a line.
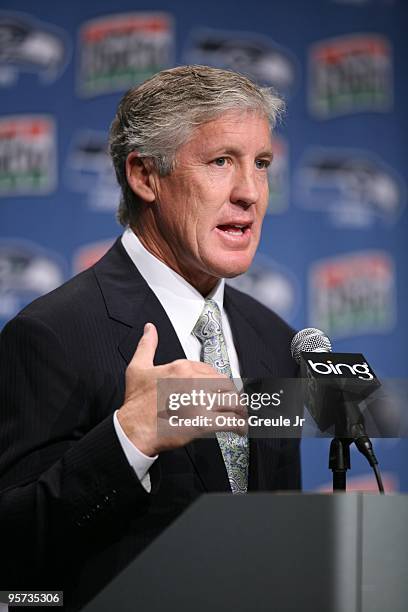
(183,305)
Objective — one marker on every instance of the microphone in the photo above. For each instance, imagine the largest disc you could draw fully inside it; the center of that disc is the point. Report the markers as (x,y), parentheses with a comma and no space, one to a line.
(310,340)
(340,380)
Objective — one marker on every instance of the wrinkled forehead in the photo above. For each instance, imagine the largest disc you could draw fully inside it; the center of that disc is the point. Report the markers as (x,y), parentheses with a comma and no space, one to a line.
(246,129)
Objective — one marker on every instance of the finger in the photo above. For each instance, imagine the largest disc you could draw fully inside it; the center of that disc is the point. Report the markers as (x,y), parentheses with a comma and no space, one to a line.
(146,348)
(202,366)
(186,368)
(239,411)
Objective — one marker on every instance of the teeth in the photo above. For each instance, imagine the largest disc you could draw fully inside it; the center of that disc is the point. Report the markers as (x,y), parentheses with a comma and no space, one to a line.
(235,229)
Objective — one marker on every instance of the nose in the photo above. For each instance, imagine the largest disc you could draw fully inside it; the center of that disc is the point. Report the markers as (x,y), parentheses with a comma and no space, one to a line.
(245,189)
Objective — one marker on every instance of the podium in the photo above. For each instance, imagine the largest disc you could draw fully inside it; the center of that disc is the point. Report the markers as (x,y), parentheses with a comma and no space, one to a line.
(266,552)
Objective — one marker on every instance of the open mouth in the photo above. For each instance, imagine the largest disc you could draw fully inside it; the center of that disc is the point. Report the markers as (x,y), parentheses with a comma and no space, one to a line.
(234,229)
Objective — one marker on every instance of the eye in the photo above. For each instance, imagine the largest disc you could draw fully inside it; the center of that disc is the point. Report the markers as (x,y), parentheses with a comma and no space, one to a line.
(220,161)
(262,163)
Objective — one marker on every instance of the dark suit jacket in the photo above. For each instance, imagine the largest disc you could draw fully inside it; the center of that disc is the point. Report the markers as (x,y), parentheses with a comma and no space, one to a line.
(72,511)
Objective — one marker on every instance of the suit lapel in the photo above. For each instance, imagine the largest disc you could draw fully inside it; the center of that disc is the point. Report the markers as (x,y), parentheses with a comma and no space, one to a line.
(130,301)
(151,310)
(255,360)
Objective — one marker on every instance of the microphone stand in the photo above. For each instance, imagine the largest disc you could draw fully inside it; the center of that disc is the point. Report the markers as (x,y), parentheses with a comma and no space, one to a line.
(339,455)
(350,422)
(339,461)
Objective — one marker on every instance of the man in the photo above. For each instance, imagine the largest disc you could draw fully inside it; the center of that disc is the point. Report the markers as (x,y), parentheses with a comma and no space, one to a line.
(86,480)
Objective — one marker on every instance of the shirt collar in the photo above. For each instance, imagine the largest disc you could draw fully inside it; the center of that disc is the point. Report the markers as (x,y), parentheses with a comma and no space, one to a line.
(181,301)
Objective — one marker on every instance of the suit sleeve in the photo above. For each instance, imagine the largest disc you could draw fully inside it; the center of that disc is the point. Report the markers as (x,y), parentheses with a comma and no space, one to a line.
(64,490)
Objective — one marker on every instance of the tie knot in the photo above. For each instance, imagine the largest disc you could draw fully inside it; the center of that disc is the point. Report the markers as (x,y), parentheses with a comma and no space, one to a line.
(209,322)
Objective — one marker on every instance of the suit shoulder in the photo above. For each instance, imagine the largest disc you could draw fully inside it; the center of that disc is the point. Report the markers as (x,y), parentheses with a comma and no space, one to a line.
(68,302)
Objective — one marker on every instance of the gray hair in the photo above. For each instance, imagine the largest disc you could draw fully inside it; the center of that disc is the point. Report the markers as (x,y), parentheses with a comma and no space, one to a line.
(158,116)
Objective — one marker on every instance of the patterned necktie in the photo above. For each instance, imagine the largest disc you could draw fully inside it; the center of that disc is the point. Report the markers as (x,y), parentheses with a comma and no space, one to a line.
(234,448)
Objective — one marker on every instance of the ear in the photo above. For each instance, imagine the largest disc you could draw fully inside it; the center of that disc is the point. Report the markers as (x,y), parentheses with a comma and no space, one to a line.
(138,177)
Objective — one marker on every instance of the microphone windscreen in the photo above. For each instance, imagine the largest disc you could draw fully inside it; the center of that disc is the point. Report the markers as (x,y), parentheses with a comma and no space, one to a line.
(309,340)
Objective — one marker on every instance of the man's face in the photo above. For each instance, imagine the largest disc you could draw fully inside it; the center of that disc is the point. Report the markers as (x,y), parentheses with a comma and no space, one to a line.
(209,210)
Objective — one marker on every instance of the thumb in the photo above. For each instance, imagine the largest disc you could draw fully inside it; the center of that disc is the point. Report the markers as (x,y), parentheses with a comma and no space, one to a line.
(146,348)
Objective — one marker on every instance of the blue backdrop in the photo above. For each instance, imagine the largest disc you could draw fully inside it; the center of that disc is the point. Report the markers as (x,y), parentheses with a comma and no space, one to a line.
(333,247)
